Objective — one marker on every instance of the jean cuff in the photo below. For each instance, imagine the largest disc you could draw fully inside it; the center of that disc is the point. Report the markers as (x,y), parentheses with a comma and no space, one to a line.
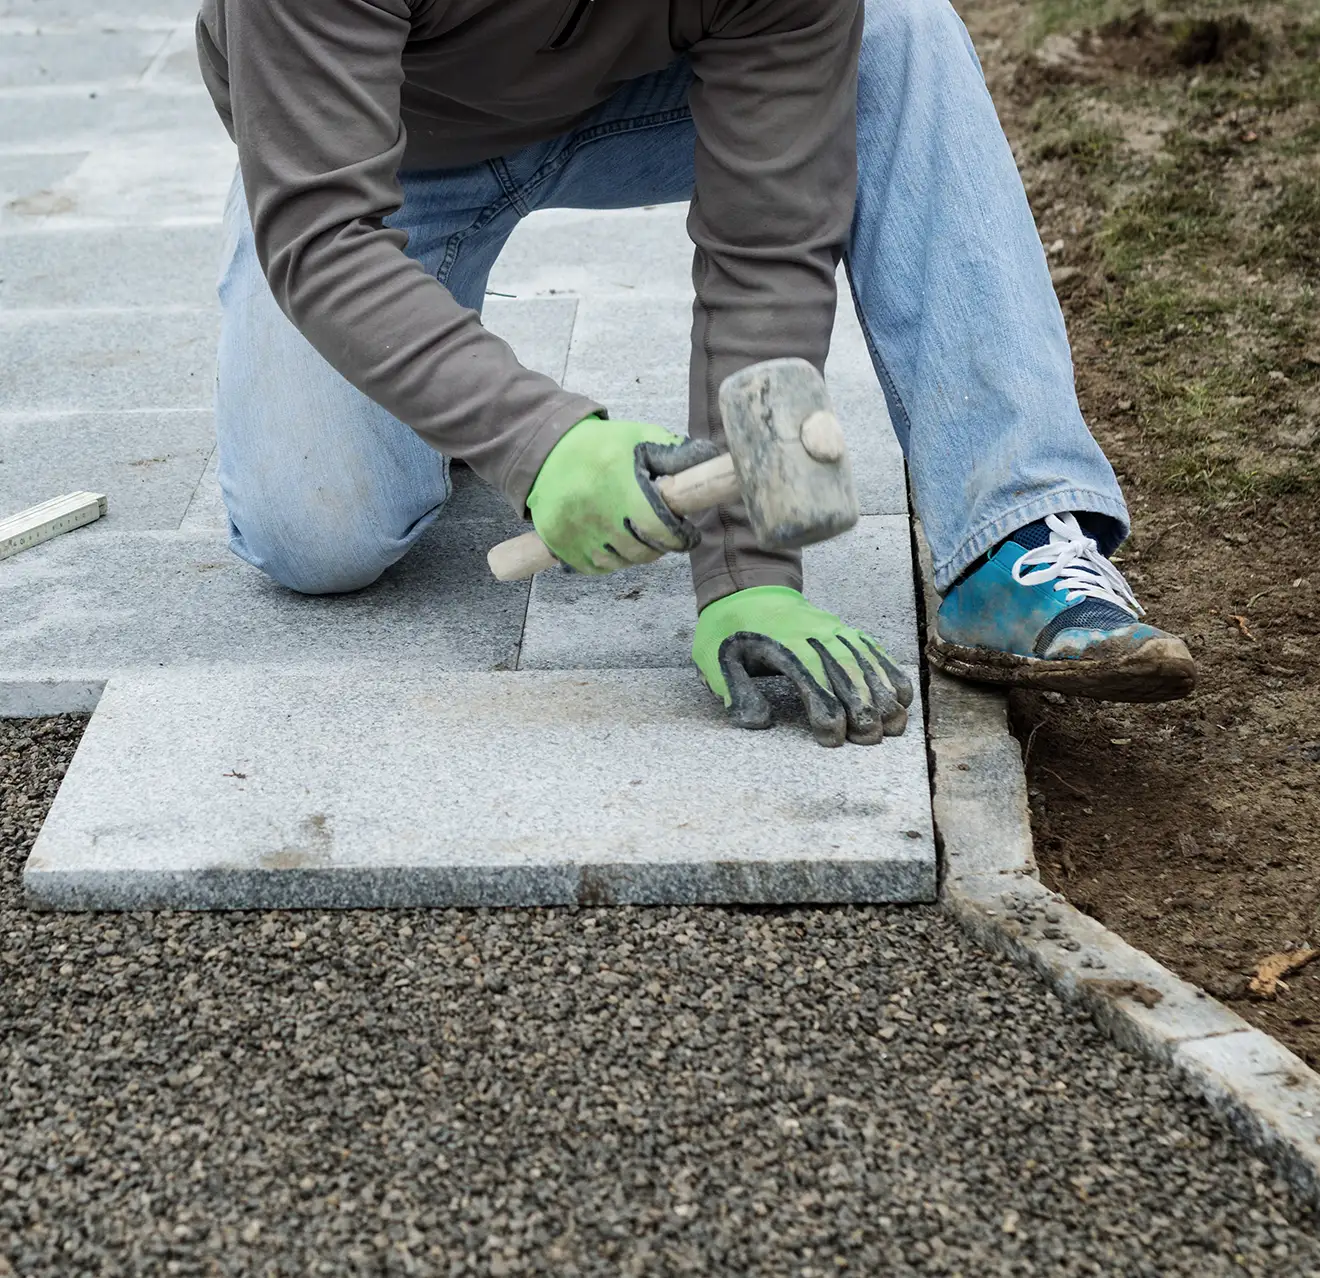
(1110,533)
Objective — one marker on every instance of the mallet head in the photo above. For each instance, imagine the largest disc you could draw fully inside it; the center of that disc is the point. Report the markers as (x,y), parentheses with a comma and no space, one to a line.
(789,453)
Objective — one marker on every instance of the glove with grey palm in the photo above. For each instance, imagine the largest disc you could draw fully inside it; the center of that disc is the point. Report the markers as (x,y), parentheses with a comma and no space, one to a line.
(595,503)
(849,686)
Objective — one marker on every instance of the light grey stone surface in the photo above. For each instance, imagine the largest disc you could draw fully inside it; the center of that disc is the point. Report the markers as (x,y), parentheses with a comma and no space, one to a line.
(633,349)
(27,183)
(147,464)
(538,329)
(154,177)
(82,607)
(644,616)
(121,266)
(77,362)
(206,505)
(98,13)
(40,57)
(980,801)
(640,617)
(1264,1091)
(471,501)
(80,120)
(964,710)
(252,788)
(175,65)
(599,253)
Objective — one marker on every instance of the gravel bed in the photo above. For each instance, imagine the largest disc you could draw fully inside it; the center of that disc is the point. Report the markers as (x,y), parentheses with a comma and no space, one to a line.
(627,1091)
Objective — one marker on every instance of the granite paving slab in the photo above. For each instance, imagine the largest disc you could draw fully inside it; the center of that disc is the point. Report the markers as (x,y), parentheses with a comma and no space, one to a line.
(26,186)
(98,13)
(41,57)
(599,253)
(150,178)
(118,266)
(81,608)
(540,330)
(147,463)
(206,506)
(643,617)
(129,358)
(253,788)
(175,64)
(79,119)
(78,361)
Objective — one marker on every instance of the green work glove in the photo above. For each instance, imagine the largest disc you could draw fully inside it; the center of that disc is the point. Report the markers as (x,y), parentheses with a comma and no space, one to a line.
(595,503)
(850,688)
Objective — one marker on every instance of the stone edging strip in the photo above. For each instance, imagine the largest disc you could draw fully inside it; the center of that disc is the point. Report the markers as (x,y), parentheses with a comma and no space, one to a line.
(989,884)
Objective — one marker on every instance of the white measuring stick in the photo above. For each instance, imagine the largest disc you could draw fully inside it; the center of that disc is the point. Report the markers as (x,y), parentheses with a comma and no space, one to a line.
(710,483)
(40,523)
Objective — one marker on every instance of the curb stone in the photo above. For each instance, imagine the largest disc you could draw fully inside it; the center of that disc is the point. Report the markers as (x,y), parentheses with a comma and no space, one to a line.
(990,886)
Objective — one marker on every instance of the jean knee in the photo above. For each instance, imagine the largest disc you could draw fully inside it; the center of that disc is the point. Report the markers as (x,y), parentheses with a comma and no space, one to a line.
(315,559)
(901,29)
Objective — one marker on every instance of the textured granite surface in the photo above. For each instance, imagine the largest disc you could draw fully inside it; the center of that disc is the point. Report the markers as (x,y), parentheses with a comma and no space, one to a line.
(147,463)
(250,787)
(85,607)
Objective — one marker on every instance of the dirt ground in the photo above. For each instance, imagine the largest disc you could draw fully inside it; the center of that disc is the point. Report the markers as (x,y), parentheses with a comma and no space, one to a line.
(1172,156)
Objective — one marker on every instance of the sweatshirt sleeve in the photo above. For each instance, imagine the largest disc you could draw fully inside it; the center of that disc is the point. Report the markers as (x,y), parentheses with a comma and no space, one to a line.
(315,91)
(775,106)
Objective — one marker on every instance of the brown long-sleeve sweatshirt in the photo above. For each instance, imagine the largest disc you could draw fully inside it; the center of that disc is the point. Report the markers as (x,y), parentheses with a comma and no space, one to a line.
(328,99)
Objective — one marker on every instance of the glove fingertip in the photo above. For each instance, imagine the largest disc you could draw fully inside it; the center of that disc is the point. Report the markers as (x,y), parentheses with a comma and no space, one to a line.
(749,714)
(831,731)
(896,724)
(866,728)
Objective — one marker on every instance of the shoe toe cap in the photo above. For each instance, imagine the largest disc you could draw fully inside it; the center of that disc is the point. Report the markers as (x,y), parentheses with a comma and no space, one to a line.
(1084,643)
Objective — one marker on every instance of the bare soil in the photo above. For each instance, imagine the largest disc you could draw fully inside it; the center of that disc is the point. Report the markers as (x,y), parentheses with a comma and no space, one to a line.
(1171,157)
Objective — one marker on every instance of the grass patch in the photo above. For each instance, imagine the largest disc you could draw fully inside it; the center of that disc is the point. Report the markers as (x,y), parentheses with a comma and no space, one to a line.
(1190,140)
(1060,131)
(1293,236)
(1168,217)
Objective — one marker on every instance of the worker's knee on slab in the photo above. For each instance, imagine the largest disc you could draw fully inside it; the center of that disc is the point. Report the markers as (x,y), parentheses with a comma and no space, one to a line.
(317,559)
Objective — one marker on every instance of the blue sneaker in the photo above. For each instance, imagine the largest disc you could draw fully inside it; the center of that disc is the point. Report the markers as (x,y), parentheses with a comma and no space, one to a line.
(1045,609)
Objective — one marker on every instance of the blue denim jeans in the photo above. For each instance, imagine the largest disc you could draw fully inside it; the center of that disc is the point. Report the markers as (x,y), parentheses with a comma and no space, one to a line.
(325,489)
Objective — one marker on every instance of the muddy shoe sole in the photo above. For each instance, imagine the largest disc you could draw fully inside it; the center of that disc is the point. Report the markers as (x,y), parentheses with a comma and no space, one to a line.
(1160,670)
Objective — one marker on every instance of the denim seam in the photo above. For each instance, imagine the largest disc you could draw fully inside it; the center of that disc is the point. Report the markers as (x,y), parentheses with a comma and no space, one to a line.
(512,196)
(455,242)
(887,384)
(995,530)
(553,166)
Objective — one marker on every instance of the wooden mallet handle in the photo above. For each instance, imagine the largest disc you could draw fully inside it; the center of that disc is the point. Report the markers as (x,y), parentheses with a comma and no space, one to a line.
(710,483)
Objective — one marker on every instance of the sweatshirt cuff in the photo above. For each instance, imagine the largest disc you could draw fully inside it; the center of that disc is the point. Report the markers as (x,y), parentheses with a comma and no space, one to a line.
(520,473)
(717,586)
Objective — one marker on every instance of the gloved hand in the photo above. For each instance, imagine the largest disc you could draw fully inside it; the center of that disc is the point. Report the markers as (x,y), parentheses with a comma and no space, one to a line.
(849,686)
(594,502)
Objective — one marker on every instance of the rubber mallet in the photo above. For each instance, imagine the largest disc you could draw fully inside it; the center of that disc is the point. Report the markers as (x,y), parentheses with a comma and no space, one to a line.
(786,461)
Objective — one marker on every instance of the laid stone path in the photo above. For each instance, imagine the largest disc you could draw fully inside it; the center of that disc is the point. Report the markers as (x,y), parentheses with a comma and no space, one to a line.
(441,737)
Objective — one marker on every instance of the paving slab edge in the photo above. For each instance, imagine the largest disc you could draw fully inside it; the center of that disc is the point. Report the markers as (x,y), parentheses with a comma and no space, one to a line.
(989,885)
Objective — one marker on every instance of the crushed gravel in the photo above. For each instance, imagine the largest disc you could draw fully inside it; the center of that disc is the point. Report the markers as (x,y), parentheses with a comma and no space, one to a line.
(626,1091)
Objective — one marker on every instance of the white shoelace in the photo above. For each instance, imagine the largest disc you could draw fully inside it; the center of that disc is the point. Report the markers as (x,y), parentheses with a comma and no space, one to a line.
(1073,561)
